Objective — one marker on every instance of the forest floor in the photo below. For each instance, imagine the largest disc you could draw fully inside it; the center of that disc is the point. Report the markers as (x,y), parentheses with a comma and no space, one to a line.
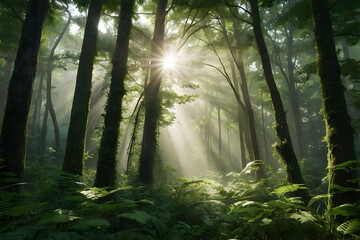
(59,206)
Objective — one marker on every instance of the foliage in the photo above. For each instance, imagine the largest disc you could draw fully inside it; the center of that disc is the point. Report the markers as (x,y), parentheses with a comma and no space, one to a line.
(60,207)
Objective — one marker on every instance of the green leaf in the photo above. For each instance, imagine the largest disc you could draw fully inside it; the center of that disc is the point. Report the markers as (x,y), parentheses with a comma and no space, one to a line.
(350,227)
(17,211)
(139,216)
(26,232)
(87,224)
(288,188)
(59,216)
(317,197)
(63,236)
(302,217)
(345,210)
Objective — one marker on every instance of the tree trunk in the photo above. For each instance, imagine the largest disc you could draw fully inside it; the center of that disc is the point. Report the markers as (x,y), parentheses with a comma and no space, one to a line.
(345,48)
(339,132)
(42,138)
(240,121)
(245,92)
(49,69)
(220,141)
(284,145)
(106,167)
(14,128)
(4,87)
(152,101)
(295,108)
(35,125)
(263,128)
(75,143)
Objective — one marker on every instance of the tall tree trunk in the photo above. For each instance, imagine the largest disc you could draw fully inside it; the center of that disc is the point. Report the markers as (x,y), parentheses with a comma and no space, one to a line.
(152,101)
(42,138)
(220,140)
(294,99)
(263,127)
(37,109)
(49,69)
(14,128)
(228,142)
(284,144)
(75,143)
(245,92)
(4,87)
(345,48)
(106,167)
(240,120)
(339,132)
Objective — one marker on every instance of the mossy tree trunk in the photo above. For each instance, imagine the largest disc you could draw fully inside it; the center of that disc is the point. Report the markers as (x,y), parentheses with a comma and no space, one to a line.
(75,143)
(106,167)
(152,101)
(14,128)
(339,132)
(284,145)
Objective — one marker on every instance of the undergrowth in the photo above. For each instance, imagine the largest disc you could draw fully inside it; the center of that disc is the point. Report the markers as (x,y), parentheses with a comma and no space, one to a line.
(61,207)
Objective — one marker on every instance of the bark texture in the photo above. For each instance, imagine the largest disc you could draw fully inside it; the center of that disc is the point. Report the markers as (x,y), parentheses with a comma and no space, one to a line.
(284,145)
(152,107)
(339,132)
(106,168)
(75,143)
(4,87)
(14,128)
(245,92)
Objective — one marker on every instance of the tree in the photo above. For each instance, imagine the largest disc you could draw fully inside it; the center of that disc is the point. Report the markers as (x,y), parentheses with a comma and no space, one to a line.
(152,108)
(106,168)
(339,133)
(12,14)
(49,103)
(284,144)
(75,143)
(14,128)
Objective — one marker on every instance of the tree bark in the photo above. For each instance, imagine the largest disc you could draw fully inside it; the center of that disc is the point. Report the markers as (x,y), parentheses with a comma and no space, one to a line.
(284,144)
(245,91)
(339,132)
(152,101)
(241,127)
(106,167)
(4,87)
(14,128)
(75,143)
(263,128)
(35,128)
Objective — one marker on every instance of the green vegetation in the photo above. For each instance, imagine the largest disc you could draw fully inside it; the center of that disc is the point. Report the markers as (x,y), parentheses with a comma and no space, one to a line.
(59,206)
(181,119)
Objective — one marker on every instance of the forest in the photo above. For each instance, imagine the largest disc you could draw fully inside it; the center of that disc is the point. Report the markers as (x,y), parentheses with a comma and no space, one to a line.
(180,119)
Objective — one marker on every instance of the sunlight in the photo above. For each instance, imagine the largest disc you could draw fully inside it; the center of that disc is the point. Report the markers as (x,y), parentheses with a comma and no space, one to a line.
(169,62)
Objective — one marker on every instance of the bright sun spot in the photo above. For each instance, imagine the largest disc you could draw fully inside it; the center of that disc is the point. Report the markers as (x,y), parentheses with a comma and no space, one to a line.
(169,62)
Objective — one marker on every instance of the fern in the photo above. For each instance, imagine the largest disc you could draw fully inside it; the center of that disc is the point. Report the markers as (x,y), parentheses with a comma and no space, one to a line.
(138,216)
(25,232)
(350,227)
(63,236)
(88,224)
